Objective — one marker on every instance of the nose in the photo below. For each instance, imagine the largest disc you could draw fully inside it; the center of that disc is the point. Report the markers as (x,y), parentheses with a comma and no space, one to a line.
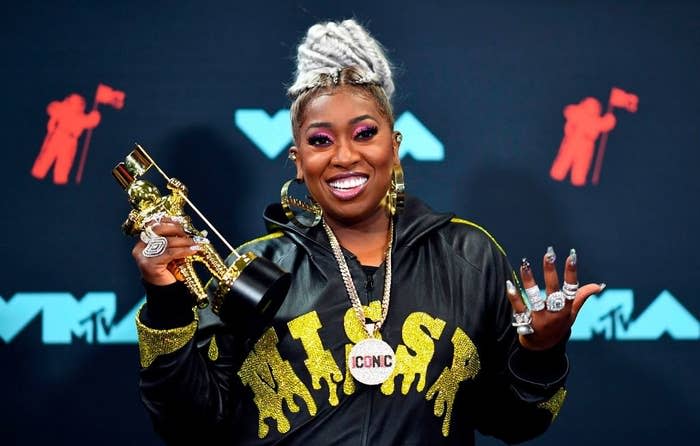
(345,154)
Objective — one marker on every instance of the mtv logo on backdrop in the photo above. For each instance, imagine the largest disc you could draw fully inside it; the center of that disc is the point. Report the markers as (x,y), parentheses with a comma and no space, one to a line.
(272,134)
(64,318)
(609,316)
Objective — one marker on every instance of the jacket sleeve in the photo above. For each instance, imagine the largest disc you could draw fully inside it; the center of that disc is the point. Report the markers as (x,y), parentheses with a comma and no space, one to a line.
(185,374)
(520,391)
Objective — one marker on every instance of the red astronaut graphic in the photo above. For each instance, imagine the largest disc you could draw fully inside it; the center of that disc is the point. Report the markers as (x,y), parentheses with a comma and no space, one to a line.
(584,124)
(67,122)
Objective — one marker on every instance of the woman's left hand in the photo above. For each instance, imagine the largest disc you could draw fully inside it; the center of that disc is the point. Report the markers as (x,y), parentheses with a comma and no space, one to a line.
(549,324)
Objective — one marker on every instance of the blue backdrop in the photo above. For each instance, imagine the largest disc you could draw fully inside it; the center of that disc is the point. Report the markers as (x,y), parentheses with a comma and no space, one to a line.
(481,93)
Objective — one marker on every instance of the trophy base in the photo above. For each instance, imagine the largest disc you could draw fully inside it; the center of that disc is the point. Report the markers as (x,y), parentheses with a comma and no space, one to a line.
(249,303)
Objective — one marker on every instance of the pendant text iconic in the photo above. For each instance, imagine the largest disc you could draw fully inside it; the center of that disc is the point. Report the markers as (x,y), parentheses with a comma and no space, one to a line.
(371,361)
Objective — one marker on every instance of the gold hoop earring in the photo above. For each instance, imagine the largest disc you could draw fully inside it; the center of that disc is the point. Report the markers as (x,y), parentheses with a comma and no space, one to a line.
(397,192)
(311,207)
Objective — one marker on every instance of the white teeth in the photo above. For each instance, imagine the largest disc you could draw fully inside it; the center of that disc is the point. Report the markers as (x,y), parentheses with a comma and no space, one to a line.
(348,182)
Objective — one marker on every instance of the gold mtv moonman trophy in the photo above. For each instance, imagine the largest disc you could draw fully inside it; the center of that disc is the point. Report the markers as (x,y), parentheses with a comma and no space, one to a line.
(249,291)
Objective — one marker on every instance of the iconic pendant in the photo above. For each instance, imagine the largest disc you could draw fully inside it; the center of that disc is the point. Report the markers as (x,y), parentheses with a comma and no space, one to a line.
(371,361)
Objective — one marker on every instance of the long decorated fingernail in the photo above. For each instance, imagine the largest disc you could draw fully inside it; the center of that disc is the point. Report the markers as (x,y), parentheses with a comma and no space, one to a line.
(602,287)
(524,264)
(195,247)
(572,257)
(204,233)
(550,256)
(510,287)
(200,239)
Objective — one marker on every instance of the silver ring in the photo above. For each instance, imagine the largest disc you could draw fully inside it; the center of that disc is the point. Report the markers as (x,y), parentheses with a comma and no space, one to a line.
(155,247)
(536,301)
(145,237)
(147,234)
(521,319)
(556,301)
(156,217)
(525,330)
(569,290)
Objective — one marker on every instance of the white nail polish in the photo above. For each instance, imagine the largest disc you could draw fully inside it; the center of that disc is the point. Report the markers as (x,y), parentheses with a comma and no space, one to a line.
(510,287)
(602,287)
(200,239)
(195,247)
(573,257)
(551,256)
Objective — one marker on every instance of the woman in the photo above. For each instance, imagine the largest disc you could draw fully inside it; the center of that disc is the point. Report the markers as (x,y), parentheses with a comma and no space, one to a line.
(400,327)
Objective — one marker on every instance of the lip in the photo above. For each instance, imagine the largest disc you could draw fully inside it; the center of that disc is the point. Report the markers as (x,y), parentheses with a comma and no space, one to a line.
(351,193)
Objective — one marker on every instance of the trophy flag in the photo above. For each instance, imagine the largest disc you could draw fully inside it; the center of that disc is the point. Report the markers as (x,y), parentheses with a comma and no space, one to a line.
(108,95)
(103,95)
(619,98)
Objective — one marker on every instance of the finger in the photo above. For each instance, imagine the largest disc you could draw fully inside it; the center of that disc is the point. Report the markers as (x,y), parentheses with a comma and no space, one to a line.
(551,278)
(570,286)
(570,273)
(584,293)
(526,274)
(181,253)
(531,288)
(178,247)
(166,229)
(516,300)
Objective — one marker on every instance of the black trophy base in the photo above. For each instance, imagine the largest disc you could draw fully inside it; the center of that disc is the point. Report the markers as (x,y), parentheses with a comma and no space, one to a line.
(255,296)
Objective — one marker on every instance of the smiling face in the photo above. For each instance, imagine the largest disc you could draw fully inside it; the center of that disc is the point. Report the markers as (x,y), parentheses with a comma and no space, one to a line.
(345,153)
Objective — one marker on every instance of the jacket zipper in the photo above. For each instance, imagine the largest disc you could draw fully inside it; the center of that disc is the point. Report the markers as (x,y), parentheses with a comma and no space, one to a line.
(369,288)
(368,417)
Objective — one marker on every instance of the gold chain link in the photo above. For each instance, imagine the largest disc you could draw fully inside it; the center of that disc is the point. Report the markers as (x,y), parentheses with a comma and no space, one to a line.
(350,285)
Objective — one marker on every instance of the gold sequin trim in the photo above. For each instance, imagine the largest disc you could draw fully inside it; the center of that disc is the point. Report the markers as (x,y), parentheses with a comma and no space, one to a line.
(419,333)
(213,351)
(154,343)
(319,362)
(274,384)
(465,365)
(553,405)
(472,224)
(270,236)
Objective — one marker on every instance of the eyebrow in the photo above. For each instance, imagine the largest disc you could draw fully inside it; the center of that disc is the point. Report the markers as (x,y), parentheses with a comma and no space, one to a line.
(355,120)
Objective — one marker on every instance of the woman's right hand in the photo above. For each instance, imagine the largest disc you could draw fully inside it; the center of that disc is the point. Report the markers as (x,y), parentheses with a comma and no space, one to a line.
(157,270)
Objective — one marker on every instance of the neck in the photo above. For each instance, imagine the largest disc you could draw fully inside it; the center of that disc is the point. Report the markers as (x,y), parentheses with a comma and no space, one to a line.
(366,239)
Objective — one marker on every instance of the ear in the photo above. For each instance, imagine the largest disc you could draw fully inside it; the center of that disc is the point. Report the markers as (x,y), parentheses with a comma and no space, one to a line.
(396,144)
(293,154)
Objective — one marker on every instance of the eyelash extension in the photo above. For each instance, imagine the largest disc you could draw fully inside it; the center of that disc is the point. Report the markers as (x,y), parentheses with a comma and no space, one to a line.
(366,131)
(320,139)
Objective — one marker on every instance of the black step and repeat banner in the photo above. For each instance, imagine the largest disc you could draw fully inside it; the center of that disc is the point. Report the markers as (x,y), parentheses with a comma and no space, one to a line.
(548,122)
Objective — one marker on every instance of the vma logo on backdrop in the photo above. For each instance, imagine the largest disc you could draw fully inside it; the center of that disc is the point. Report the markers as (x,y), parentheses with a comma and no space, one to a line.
(272,135)
(65,319)
(584,125)
(67,123)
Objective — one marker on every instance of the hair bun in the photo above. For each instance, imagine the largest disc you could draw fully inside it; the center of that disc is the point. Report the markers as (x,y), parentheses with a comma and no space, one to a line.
(329,47)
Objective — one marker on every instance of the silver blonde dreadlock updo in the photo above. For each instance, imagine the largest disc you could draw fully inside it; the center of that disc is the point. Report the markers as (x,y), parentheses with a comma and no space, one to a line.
(336,55)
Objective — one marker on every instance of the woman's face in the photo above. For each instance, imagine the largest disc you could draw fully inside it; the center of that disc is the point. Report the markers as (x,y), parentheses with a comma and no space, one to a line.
(345,154)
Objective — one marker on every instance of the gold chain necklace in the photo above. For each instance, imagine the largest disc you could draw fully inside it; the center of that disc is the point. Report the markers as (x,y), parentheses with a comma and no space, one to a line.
(371,361)
(371,329)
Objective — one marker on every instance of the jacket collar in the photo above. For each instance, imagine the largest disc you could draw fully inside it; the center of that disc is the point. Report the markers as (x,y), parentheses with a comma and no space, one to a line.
(412,224)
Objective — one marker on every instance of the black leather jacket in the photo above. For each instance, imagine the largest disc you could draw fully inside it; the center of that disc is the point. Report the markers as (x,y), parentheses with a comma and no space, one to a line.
(459,365)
